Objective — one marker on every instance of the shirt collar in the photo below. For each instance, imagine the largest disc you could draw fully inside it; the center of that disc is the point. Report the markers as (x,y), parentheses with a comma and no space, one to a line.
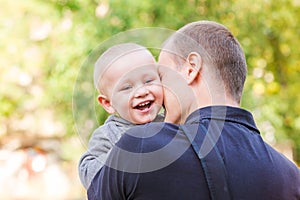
(227,113)
(119,121)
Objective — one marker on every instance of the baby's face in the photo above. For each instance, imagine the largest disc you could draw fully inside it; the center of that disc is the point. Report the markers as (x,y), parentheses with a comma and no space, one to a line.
(134,87)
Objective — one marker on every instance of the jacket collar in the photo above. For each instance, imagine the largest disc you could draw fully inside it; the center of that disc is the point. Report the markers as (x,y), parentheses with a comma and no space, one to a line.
(226,113)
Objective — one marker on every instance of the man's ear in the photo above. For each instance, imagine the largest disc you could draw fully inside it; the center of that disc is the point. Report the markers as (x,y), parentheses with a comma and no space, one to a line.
(194,66)
(105,103)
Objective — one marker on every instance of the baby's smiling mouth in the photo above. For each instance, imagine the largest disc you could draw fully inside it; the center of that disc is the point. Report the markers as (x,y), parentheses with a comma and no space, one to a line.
(144,105)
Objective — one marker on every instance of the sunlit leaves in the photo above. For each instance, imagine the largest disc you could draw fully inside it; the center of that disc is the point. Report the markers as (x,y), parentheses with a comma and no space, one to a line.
(44,43)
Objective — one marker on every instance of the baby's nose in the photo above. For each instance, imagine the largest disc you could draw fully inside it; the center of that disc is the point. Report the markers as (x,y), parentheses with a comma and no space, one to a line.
(141,92)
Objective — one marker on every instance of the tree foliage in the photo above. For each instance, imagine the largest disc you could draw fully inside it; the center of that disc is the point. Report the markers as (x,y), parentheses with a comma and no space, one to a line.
(44,44)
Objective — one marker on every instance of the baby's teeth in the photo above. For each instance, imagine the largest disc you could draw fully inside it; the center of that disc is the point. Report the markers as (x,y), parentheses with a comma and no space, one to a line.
(143,104)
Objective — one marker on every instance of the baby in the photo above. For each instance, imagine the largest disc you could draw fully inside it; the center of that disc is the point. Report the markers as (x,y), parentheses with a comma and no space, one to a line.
(130,90)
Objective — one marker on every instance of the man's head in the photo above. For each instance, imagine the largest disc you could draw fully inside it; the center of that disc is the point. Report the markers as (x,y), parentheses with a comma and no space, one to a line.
(211,62)
(127,80)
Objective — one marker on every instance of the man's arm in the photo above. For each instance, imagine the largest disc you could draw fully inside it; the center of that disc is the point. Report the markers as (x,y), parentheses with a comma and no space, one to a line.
(110,184)
(139,151)
(100,144)
(112,181)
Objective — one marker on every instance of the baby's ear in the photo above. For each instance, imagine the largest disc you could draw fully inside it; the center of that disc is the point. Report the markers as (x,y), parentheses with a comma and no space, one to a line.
(105,103)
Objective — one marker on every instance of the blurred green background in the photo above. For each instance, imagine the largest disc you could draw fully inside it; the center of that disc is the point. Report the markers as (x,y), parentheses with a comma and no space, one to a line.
(43,45)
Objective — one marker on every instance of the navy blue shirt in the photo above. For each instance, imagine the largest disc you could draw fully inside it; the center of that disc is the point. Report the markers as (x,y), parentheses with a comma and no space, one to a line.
(228,157)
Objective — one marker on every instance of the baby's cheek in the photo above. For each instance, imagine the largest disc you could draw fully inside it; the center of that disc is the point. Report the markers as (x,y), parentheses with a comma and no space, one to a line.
(160,93)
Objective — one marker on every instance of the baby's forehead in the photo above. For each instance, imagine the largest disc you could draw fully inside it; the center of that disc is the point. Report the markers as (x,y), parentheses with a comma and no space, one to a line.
(135,54)
(122,59)
(132,59)
(121,73)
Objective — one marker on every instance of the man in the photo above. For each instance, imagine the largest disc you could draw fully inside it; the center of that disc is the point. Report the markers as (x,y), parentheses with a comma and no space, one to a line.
(218,152)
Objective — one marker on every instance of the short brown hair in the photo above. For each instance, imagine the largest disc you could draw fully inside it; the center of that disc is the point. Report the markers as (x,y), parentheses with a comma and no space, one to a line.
(216,44)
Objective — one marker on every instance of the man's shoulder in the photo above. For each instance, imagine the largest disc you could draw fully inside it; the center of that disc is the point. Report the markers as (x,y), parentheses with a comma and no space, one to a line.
(284,164)
(148,147)
(151,129)
(154,135)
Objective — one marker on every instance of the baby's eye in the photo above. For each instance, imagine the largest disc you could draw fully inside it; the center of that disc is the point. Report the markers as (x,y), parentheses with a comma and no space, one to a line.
(149,81)
(127,87)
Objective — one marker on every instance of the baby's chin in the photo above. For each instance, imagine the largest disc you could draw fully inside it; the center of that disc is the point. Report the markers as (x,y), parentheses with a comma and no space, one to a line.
(145,121)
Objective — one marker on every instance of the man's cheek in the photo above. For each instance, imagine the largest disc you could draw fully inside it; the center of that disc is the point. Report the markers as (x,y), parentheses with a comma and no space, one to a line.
(169,97)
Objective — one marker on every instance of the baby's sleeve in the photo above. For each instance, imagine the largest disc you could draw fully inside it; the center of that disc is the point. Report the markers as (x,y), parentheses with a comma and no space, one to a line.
(95,156)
